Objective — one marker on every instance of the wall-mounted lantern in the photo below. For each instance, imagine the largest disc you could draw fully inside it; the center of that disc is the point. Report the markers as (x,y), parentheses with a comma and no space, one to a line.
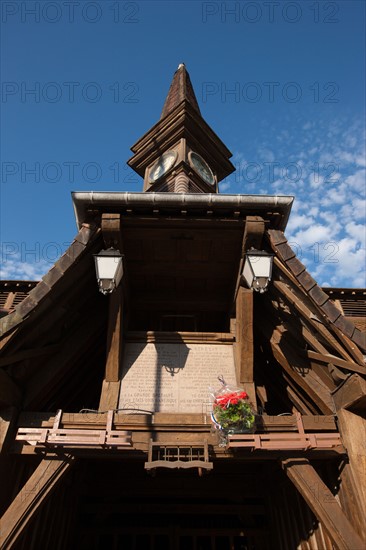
(257,270)
(109,269)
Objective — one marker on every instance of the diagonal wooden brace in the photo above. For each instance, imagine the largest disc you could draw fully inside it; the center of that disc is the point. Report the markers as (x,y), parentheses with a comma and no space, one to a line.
(323,504)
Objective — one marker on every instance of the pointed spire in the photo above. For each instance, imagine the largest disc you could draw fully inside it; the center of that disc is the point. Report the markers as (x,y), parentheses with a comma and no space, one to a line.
(181,88)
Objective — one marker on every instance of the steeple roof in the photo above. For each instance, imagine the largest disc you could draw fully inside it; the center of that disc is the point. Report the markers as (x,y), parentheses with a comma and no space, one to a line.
(180,89)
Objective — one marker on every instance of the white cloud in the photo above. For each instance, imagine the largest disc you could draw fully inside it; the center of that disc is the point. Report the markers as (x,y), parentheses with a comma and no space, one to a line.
(316,233)
(316,180)
(14,268)
(357,181)
(297,220)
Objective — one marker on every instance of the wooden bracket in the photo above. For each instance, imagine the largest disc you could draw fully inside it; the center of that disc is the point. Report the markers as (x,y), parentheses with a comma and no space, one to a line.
(253,233)
(111,230)
(323,503)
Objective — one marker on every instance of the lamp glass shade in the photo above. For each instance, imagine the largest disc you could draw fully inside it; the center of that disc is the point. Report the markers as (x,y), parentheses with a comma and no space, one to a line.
(257,270)
(109,269)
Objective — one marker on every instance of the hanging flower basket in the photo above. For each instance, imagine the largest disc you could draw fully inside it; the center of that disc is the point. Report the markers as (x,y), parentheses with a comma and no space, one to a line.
(231,412)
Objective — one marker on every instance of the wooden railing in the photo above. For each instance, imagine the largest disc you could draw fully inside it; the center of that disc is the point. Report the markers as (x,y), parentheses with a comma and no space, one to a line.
(286,441)
(67,437)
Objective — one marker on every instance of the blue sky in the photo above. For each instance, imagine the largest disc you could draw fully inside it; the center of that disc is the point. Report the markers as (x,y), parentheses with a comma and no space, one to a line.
(282,83)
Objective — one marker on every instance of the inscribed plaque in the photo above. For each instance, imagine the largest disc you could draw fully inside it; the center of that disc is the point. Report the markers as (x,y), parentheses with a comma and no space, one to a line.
(173,378)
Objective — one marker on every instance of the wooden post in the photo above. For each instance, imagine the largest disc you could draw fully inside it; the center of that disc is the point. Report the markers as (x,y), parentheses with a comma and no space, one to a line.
(350,401)
(323,504)
(37,489)
(111,229)
(111,383)
(114,338)
(244,342)
(244,333)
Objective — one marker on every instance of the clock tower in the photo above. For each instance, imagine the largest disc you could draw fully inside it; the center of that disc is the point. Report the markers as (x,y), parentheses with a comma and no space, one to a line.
(181,153)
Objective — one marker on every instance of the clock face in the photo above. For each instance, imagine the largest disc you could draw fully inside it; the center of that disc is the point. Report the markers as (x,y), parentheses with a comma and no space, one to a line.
(162,165)
(202,168)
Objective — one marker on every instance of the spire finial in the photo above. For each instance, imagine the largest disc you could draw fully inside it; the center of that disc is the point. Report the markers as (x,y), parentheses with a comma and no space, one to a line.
(180,89)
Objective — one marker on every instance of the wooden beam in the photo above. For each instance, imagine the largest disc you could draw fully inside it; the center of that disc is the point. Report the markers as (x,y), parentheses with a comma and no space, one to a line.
(335,375)
(332,359)
(350,401)
(349,347)
(351,394)
(352,428)
(293,365)
(323,504)
(308,381)
(309,317)
(37,489)
(114,337)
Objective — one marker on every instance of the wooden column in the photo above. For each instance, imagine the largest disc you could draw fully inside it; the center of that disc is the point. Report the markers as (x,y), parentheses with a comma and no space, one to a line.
(252,238)
(111,230)
(350,401)
(37,489)
(323,504)
(244,333)
(111,383)
(244,341)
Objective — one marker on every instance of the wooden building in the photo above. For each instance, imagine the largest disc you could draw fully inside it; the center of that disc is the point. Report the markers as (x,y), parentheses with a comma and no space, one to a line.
(106,437)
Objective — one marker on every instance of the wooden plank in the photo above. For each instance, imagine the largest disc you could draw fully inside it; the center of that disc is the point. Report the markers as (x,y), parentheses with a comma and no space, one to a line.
(37,489)
(180,337)
(323,504)
(268,423)
(332,371)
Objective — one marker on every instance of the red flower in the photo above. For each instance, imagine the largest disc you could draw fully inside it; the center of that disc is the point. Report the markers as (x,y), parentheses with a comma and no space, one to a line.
(228,399)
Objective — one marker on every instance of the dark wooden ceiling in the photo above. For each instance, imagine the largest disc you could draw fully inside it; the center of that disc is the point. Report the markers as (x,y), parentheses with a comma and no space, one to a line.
(183,265)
